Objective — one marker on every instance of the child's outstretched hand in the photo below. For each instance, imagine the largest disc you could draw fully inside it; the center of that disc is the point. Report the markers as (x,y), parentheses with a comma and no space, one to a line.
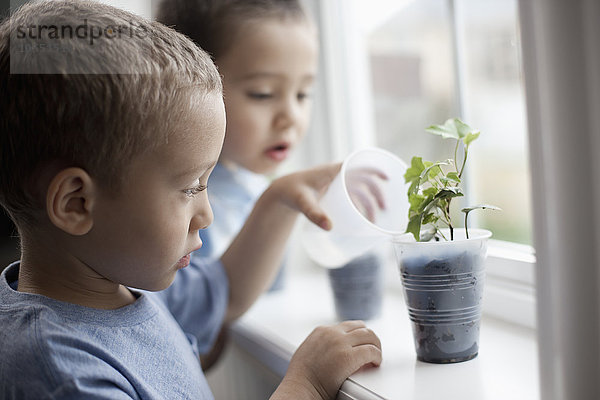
(302,190)
(326,358)
(253,257)
(364,188)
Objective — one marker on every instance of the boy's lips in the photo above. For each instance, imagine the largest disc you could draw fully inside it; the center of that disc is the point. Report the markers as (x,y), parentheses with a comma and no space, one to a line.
(183,261)
(278,152)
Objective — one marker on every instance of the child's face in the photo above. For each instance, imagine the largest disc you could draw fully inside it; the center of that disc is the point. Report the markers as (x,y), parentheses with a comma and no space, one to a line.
(145,233)
(267,74)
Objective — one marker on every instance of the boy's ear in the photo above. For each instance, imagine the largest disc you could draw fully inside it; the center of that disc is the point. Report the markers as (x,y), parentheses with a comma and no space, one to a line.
(70,199)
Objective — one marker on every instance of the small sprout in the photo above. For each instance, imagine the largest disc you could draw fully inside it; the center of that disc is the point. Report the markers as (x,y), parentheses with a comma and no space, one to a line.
(433,185)
(467,210)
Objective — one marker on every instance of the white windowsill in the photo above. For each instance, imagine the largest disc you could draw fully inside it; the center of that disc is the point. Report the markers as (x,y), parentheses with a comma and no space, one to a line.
(275,326)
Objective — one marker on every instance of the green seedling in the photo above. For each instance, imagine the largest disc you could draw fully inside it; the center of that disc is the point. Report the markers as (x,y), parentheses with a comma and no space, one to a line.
(433,185)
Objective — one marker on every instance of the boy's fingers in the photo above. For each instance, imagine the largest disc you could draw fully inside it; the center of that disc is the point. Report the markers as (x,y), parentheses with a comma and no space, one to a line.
(358,182)
(318,217)
(369,171)
(326,173)
(376,192)
(366,354)
(364,336)
(308,205)
(350,325)
(364,204)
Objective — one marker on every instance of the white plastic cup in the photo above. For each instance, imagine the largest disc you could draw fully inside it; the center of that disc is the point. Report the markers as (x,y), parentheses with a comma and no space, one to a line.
(443,288)
(357,287)
(352,234)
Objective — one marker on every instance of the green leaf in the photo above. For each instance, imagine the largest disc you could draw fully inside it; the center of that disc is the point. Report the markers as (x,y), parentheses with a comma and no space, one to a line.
(449,193)
(440,199)
(448,182)
(470,137)
(454,128)
(462,128)
(481,207)
(433,170)
(414,226)
(415,200)
(425,204)
(453,176)
(430,192)
(447,131)
(430,218)
(467,210)
(415,170)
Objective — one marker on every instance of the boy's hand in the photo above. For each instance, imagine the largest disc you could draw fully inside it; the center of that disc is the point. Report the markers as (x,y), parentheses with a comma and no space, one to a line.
(302,190)
(327,357)
(364,188)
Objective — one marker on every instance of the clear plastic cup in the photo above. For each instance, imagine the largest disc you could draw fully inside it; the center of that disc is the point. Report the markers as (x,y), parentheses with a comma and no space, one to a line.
(357,287)
(352,233)
(443,287)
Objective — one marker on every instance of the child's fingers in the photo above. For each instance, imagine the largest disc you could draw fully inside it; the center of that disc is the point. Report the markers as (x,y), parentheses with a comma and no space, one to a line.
(363,180)
(364,204)
(321,220)
(362,336)
(366,354)
(315,214)
(376,192)
(325,174)
(372,171)
(350,325)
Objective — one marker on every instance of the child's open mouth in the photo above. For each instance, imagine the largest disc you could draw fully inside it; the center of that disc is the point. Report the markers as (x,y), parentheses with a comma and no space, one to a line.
(279,152)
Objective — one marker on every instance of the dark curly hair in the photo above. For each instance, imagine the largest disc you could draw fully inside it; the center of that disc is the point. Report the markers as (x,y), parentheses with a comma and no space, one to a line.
(213,24)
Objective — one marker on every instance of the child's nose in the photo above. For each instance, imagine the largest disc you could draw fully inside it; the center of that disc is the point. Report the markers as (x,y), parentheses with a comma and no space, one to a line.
(290,113)
(203,215)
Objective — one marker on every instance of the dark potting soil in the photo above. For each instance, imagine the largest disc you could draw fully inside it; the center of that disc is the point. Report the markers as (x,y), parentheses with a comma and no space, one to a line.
(443,297)
(452,264)
(438,344)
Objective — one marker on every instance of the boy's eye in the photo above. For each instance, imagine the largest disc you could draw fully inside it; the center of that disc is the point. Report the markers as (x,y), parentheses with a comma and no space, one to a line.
(260,95)
(191,192)
(303,95)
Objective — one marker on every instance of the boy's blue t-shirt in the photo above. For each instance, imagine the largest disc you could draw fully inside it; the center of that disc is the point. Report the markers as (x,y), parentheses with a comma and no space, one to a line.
(147,350)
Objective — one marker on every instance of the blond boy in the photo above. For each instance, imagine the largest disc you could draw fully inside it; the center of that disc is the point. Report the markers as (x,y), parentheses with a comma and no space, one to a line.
(108,133)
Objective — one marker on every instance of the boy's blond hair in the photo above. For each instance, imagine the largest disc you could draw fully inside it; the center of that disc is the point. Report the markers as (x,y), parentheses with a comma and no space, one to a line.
(93,98)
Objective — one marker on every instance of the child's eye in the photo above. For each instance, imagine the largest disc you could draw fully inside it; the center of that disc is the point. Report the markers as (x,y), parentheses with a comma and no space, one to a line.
(260,95)
(191,192)
(303,96)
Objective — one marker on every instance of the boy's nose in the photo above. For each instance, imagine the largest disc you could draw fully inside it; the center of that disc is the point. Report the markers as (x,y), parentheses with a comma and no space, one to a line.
(290,113)
(203,215)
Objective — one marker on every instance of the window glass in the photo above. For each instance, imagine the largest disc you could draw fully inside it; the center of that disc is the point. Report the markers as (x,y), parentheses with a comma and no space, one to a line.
(424,71)
(494,102)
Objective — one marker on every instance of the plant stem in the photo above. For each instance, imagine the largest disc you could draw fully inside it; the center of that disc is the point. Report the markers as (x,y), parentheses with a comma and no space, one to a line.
(462,168)
(455,154)
(442,235)
(447,212)
(466,226)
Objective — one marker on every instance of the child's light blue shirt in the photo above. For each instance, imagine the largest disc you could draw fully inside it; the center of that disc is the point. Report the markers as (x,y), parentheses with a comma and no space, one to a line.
(147,350)
(232,193)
